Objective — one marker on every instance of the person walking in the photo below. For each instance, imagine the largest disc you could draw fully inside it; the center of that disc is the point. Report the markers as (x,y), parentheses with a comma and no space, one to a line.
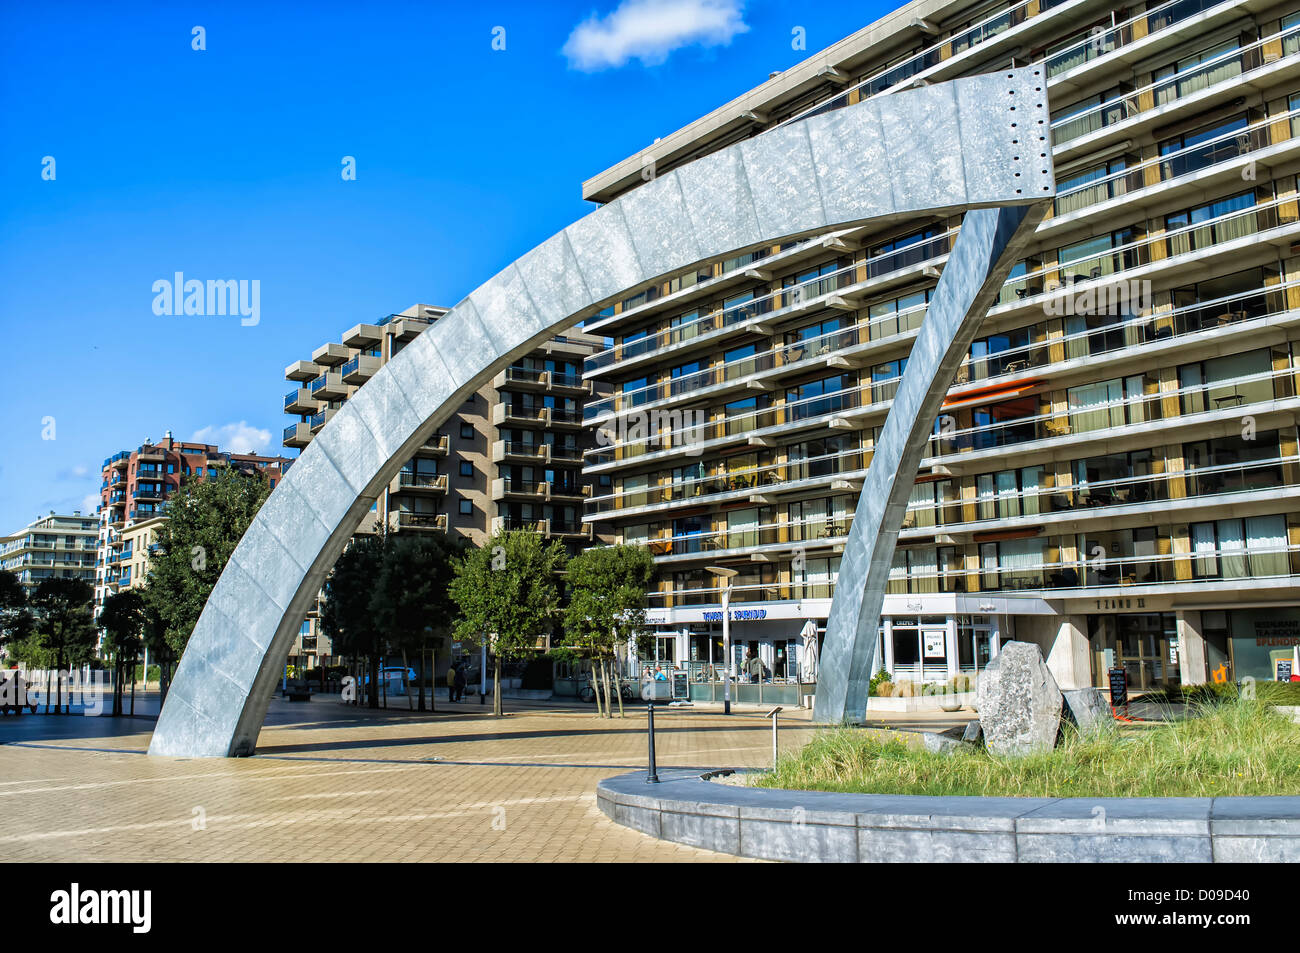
(451,683)
(461,681)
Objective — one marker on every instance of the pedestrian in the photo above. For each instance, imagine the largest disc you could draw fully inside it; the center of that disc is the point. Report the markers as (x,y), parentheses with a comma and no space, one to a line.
(451,683)
(659,675)
(461,682)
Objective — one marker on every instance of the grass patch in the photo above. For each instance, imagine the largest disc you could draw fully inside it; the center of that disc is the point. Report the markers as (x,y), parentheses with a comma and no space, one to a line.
(1229,747)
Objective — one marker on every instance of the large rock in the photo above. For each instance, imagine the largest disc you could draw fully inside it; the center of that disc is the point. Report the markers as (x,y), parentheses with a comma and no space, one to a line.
(1088,708)
(1018,702)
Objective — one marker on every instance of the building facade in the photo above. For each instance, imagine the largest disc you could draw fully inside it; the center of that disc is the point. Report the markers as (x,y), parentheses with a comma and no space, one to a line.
(136,487)
(51,547)
(510,458)
(1116,473)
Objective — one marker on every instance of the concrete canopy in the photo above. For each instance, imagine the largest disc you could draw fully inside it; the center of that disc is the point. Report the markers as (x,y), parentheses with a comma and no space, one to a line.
(976,143)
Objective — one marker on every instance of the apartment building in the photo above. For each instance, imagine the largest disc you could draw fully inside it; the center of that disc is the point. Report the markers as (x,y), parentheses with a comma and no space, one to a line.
(50,547)
(1115,473)
(510,458)
(135,489)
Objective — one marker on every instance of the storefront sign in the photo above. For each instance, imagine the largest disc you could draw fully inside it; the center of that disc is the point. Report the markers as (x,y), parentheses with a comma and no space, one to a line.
(737,615)
(934,644)
(1283,669)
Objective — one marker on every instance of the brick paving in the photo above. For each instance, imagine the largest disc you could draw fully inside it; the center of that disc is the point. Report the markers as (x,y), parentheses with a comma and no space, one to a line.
(332,782)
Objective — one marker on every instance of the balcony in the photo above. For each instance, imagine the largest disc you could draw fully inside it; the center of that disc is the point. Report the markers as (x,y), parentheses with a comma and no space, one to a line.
(508,414)
(407,327)
(321,418)
(508,525)
(567,529)
(569,383)
(363,337)
(301,371)
(436,446)
(297,435)
(361,368)
(519,452)
(419,482)
(150,491)
(521,378)
(151,453)
(300,401)
(330,354)
(503,487)
(406,520)
(329,386)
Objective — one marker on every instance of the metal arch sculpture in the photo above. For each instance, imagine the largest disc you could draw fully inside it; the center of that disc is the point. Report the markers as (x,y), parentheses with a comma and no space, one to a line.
(977,143)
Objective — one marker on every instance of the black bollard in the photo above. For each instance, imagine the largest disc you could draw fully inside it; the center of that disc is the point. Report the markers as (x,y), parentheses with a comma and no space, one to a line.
(653,776)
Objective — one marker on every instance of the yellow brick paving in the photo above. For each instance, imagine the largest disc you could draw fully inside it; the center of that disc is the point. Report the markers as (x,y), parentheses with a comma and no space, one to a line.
(335,784)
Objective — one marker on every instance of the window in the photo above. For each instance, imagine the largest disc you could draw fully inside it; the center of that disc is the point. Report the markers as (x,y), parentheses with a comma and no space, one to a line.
(466,431)
(466,507)
(466,468)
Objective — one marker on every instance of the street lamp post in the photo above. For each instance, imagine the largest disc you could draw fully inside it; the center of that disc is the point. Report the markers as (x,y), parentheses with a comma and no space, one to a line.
(728,662)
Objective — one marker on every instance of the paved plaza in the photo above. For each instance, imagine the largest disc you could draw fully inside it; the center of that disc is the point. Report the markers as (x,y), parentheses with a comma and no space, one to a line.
(332,782)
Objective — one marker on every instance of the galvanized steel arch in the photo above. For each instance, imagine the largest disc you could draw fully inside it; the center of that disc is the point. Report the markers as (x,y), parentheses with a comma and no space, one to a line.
(975,143)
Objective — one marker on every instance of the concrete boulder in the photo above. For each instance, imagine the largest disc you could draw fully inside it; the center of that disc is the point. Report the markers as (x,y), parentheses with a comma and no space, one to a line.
(1018,701)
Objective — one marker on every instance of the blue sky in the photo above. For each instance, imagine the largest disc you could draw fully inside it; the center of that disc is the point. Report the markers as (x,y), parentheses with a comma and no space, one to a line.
(225,163)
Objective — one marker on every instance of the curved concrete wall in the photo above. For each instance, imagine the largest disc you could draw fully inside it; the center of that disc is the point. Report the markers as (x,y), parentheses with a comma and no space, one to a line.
(968,144)
(817,826)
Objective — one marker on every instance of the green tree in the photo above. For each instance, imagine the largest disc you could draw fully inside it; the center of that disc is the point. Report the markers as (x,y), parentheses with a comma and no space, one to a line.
(608,594)
(507,593)
(65,626)
(347,616)
(122,618)
(205,521)
(410,602)
(15,614)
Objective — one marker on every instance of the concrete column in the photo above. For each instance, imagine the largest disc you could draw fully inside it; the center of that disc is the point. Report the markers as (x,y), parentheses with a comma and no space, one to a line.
(1067,659)
(1191,648)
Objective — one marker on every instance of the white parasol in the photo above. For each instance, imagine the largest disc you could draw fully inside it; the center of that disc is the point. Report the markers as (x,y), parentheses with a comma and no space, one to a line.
(808,663)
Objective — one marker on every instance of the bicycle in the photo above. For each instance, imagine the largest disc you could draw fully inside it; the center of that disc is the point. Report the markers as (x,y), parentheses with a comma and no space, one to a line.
(587,692)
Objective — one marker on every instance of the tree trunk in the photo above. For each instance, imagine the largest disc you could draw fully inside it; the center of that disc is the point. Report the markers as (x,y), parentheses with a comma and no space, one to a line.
(619,687)
(405,677)
(133,674)
(609,688)
(425,672)
(496,686)
(420,689)
(374,681)
(58,671)
(433,685)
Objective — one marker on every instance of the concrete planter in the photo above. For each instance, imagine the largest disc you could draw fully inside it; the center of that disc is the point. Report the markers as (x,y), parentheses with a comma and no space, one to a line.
(817,826)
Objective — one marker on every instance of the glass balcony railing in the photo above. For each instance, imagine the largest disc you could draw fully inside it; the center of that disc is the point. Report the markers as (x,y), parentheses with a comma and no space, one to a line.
(917,254)
(1223,148)
(1230,67)
(1279,561)
(1235,393)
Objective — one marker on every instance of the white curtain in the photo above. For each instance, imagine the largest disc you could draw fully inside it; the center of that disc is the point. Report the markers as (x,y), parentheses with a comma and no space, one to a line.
(1096,406)
(1232,545)
(1266,540)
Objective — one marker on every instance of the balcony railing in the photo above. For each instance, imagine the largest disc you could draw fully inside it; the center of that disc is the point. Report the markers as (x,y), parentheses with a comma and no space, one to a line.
(806,293)
(1280,562)
(1173,165)
(1237,393)
(1230,67)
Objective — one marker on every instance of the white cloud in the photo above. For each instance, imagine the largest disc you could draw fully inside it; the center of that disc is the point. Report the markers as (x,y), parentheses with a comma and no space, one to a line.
(242,437)
(648,30)
(89,502)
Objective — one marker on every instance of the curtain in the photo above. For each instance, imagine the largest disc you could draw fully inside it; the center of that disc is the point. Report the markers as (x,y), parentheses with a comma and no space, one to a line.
(1232,546)
(1266,540)
(1096,406)
(1205,564)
